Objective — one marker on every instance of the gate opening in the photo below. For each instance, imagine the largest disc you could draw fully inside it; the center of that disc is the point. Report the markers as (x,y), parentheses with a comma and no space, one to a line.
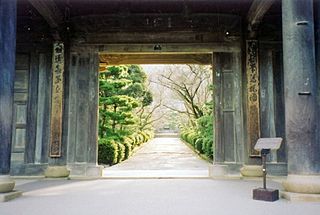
(158,107)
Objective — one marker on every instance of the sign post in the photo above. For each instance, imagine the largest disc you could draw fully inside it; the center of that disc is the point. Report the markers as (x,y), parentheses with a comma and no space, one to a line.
(265,145)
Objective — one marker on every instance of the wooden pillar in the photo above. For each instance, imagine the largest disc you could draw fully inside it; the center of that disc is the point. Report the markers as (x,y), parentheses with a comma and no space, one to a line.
(57,157)
(317,43)
(44,101)
(229,144)
(267,97)
(7,71)
(300,97)
(83,93)
(218,150)
(32,109)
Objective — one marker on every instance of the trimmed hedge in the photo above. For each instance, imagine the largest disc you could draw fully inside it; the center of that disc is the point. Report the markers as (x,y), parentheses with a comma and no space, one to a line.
(121,152)
(108,151)
(199,145)
(128,148)
(114,150)
(203,145)
(208,147)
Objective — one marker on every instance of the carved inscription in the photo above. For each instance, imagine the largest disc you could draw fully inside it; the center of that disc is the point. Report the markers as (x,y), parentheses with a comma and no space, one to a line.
(57,99)
(253,90)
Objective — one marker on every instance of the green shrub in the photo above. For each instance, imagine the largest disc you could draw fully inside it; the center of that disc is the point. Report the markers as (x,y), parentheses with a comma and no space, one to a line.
(121,152)
(107,152)
(132,141)
(199,145)
(114,149)
(188,137)
(129,140)
(208,147)
(184,135)
(139,139)
(192,137)
(128,149)
(145,136)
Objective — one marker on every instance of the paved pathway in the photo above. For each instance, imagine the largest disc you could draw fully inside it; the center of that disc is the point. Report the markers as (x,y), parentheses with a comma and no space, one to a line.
(161,157)
(148,197)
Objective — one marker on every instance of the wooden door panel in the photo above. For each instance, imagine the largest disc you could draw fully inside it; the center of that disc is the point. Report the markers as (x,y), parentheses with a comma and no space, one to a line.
(21,84)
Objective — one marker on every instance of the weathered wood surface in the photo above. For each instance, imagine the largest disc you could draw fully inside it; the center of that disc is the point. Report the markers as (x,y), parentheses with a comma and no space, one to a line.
(44,101)
(57,100)
(266,93)
(159,37)
(279,103)
(157,22)
(92,145)
(272,112)
(118,59)
(83,107)
(182,48)
(32,108)
(7,69)
(228,108)
(72,106)
(257,11)
(253,95)
(300,76)
(20,117)
(51,13)
(317,38)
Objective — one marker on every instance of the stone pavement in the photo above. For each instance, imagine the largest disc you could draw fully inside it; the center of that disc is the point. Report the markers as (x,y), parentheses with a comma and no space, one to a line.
(161,158)
(179,196)
(147,197)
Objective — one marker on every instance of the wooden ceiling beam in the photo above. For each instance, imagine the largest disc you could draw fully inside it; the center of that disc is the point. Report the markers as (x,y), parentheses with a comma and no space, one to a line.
(257,11)
(51,13)
(120,59)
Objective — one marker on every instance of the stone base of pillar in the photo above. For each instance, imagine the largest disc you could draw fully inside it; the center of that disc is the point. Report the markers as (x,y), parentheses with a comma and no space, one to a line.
(4,197)
(217,171)
(28,169)
(251,171)
(6,184)
(56,172)
(306,184)
(85,170)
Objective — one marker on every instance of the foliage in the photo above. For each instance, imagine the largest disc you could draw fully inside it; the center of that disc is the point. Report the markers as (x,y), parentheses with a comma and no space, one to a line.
(201,136)
(114,151)
(108,151)
(123,91)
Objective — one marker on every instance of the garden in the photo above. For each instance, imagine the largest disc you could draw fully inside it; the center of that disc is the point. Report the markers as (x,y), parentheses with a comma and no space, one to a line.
(133,106)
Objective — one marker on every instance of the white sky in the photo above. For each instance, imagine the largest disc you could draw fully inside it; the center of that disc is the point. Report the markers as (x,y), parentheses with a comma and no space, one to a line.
(153,67)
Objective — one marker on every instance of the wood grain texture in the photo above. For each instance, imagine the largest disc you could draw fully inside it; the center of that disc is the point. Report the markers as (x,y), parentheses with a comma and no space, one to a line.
(8,12)
(57,99)
(253,94)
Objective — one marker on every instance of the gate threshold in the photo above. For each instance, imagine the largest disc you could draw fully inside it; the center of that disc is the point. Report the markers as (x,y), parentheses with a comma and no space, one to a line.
(155,174)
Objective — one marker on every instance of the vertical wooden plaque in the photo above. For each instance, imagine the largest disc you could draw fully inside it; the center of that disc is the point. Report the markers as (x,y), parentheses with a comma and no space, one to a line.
(253,92)
(56,99)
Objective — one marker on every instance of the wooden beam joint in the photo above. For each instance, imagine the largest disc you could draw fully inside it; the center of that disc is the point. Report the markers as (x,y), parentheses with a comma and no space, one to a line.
(51,13)
(256,13)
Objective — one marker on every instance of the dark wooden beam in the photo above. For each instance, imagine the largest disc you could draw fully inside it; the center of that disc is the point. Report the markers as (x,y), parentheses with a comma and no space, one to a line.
(51,13)
(118,59)
(257,11)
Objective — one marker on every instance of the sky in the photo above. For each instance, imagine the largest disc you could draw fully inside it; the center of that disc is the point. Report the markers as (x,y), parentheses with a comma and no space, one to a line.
(148,68)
